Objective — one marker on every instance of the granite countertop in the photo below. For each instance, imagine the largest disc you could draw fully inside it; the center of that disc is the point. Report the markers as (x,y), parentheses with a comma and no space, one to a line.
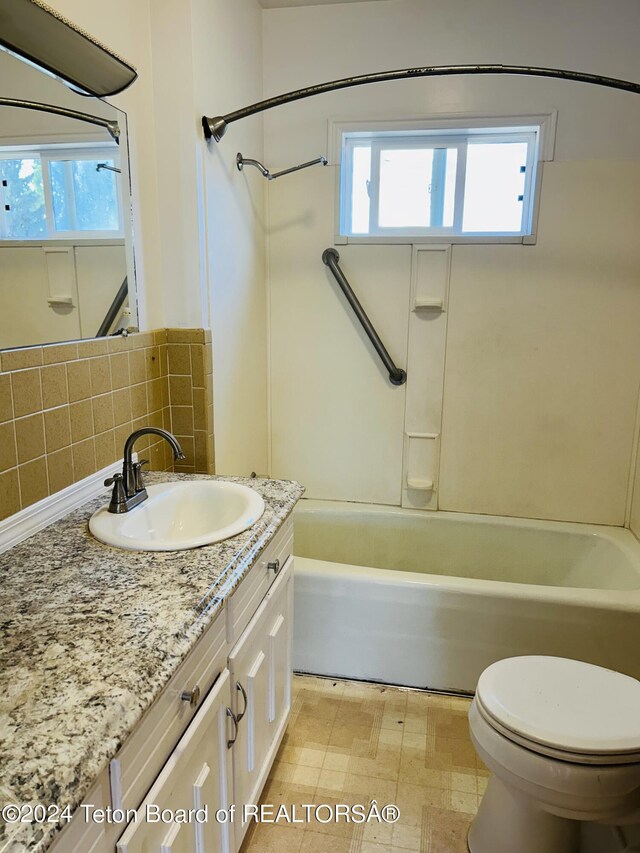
(90,636)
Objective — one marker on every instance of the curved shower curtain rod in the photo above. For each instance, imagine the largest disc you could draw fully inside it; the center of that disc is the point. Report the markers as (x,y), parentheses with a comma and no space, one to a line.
(216,127)
(110,126)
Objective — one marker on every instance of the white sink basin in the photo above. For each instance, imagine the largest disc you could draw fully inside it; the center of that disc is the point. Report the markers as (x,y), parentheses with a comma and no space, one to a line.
(180,515)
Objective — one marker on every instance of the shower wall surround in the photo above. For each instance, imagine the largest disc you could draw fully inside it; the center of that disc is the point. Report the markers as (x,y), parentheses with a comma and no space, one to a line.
(535,402)
(66,409)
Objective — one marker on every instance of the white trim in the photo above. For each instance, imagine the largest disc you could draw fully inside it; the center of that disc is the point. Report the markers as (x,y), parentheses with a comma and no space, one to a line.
(472,122)
(443,128)
(436,239)
(30,520)
(52,242)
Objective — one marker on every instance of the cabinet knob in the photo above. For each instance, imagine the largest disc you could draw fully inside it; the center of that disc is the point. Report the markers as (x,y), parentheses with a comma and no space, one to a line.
(274,566)
(191,696)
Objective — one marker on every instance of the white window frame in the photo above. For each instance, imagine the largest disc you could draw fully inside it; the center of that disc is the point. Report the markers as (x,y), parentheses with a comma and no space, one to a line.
(539,129)
(47,153)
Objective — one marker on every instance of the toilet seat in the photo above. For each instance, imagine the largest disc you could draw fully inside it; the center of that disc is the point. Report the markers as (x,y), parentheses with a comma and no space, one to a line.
(565,709)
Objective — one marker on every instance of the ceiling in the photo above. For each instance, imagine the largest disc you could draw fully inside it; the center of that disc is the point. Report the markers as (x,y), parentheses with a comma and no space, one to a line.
(281,4)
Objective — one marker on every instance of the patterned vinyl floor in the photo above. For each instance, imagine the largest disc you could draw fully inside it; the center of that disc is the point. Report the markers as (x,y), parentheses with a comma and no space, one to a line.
(350,743)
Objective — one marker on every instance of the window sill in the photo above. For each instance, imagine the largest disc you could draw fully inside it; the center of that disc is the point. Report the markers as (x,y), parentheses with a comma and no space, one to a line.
(527,240)
(66,241)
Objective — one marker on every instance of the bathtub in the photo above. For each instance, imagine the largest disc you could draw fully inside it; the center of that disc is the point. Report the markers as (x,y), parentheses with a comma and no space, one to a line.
(429,599)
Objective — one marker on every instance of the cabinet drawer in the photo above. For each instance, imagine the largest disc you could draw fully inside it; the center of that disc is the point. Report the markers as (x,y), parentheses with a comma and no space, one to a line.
(145,751)
(247,597)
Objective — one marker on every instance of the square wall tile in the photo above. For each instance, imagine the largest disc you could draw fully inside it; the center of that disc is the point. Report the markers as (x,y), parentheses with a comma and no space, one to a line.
(57,428)
(180,390)
(8,455)
(137,367)
(102,413)
(78,380)
(84,459)
(100,369)
(30,437)
(6,400)
(27,392)
(120,377)
(182,420)
(81,420)
(20,359)
(53,379)
(60,469)
(9,493)
(58,353)
(179,359)
(122,406)
(34,482)
(105,449)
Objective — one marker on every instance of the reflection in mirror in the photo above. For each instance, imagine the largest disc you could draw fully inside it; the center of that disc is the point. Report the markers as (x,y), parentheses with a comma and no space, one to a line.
(65,243)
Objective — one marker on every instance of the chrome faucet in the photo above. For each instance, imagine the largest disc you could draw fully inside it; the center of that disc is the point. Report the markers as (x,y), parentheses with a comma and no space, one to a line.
(128,487)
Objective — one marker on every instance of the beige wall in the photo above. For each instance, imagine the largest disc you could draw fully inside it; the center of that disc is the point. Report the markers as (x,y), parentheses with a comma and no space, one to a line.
(199,227)
(542,374)
(126,28)
(227,56)
(89,275)
(542,354)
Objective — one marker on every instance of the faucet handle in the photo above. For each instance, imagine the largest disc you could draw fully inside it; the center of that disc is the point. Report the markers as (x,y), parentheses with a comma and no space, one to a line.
(137,474)
(119,495)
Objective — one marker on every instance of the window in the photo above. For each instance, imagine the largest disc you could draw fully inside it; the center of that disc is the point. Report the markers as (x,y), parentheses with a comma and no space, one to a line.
(443,183)
(53,193)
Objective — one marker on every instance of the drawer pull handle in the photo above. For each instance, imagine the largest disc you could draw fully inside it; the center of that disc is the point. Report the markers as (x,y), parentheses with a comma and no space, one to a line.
(274,566)
(231,742)
(191,696)
(244,696)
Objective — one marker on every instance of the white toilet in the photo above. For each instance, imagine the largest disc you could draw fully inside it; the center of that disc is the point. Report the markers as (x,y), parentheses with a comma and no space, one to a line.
(562,741)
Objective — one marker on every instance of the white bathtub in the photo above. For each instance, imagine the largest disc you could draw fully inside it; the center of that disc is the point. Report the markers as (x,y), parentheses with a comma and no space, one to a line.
(431,599)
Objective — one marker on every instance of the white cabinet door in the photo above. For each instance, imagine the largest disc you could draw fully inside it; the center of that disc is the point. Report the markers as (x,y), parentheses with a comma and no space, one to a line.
(260,665)
(197,775)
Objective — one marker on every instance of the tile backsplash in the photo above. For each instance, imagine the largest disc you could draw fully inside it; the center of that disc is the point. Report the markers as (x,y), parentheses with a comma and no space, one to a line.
(66,409)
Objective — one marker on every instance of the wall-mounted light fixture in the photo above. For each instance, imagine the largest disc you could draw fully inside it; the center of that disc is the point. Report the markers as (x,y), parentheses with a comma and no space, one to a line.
(34,31)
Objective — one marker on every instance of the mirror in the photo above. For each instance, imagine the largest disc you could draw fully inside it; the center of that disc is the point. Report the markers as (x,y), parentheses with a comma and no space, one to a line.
(66,253)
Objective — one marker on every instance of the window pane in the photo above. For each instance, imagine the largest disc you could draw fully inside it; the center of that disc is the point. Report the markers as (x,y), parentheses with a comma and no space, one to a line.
(84,196)
(450,187)
(494,183)
(95,195)
(405,183)
(24,194)
(61,196)
(361,177)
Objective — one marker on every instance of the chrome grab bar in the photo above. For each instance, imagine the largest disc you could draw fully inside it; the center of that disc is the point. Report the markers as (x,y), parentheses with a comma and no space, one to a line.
(114,309)
(330,257)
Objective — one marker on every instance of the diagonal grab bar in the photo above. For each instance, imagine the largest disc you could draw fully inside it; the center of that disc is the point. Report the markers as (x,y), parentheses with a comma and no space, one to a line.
(330,257)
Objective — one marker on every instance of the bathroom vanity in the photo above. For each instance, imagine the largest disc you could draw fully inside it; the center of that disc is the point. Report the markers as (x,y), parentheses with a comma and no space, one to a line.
(140,682)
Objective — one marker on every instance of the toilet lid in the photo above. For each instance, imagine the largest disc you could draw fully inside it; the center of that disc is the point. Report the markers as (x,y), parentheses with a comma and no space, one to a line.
(568,705)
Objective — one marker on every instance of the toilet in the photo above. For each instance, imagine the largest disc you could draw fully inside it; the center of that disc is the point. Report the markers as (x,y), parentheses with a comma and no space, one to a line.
(561,739)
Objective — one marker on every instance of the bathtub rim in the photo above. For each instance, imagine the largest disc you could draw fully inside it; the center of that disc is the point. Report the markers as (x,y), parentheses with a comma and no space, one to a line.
(622,538)
(608,599)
